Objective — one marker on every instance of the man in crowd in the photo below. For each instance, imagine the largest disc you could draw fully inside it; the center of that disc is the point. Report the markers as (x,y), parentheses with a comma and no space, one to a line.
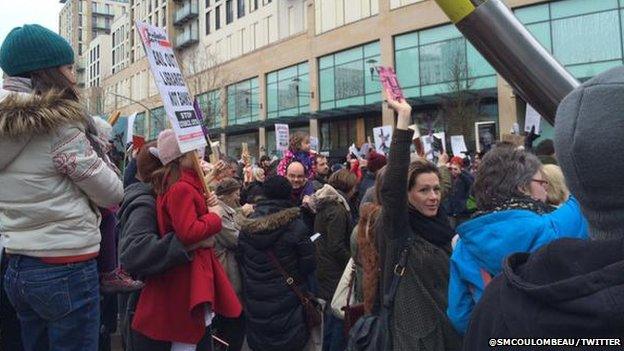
(296,175)
(322,172)
(461,183)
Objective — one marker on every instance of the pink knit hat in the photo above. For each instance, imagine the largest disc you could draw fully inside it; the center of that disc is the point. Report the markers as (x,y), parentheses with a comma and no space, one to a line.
(168,149)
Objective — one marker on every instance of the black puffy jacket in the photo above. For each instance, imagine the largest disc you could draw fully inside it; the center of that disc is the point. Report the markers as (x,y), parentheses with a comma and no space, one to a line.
(274,314)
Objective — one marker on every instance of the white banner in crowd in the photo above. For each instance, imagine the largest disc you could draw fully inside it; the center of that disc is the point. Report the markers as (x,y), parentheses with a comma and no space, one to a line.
(177,100)
(383,138)
(458,145)
(130,128)
(532,118)
(282,137)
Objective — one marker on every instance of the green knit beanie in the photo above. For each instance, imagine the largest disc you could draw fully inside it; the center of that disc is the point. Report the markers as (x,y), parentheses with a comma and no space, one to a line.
(33,47)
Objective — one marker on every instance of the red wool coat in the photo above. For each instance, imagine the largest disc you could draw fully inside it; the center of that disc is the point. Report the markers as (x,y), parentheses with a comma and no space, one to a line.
(172,305)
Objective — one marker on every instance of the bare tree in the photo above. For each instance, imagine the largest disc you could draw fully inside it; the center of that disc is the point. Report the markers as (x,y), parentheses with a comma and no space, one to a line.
(460,107)
(205,72)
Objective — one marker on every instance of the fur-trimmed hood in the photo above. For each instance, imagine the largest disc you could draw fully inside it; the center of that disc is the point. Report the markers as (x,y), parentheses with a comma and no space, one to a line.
(326,196)
(23,115)
(269,223)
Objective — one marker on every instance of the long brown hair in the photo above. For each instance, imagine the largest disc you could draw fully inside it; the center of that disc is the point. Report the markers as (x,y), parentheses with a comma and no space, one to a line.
(48,79)
(368,253)
(166,176)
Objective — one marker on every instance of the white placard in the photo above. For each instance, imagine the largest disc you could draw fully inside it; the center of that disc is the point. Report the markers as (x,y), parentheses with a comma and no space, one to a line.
(130,128)
(458,145)
(383,138)
(314,143)
(416,135)
(434,145)
(532,118)
(354,150)
(177,100)
(282,137)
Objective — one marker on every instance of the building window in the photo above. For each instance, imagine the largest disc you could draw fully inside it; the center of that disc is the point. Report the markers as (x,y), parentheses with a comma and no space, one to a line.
(207,3)
(255,4)
(234,144)
(207,22)
(210,104)
(229,12)
(266,2)
(158,122)
(348,78)
(218,18)
(288,91)
(241,8)
(164,18)
(79,49)
(243,102)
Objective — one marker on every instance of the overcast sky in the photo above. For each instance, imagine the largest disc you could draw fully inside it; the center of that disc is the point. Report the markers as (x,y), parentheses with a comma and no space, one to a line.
(19,12)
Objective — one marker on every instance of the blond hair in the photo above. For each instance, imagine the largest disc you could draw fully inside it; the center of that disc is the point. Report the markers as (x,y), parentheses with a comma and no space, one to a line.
(558,192)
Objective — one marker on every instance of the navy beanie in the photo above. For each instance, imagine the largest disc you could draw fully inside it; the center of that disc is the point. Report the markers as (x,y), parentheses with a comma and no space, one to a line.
(277,188)
(31,48)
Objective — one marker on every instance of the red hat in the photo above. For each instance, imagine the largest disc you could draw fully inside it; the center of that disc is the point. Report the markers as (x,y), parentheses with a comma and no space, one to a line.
(376,161)
(456,160)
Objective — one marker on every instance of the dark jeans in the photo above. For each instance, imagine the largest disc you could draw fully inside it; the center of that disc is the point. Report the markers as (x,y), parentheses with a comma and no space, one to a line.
(10,331)
(58,305)
(333,332)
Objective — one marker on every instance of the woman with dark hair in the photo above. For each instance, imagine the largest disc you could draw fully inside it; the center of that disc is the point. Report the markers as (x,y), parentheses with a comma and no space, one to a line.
(512,216)
(53,171)
(412,225)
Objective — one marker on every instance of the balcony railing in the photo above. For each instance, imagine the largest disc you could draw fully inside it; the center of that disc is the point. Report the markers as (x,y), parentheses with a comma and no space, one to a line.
(188,36)
(188,11)
(100,10)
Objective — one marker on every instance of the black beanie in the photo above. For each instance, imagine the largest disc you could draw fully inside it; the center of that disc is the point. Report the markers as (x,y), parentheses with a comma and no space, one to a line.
(277,188)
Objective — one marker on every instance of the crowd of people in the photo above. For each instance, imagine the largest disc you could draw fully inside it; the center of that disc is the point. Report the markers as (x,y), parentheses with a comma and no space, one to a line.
(373,252)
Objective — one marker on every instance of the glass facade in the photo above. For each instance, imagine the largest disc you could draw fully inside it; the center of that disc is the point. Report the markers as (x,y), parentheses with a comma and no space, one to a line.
(139,124)
(288,91)
(434,61)
(210,104)
(337,134)
(158,122)
(585,36)
(348,78)
(243,102)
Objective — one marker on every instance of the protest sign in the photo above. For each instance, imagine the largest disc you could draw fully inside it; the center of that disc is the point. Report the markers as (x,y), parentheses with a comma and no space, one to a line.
(485,135)
(383,138)
(532,119)
(282,137)
(458,145)
(177,101)
(390,82)
(130,128)
(434,145)
(355,152)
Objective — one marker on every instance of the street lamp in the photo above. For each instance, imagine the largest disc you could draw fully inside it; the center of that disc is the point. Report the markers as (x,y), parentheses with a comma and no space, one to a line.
(371,63)
(147,110)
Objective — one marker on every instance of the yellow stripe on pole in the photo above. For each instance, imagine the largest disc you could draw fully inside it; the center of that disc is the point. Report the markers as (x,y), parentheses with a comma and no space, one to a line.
(456,10)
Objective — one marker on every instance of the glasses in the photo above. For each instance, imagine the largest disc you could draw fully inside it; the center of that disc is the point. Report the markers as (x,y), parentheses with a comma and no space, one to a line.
(541,182)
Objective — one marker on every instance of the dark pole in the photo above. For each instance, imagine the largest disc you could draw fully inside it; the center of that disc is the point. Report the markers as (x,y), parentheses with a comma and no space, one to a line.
(513,52)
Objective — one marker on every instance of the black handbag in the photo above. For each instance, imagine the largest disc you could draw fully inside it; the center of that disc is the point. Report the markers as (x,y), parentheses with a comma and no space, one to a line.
(312,310)
(372,332)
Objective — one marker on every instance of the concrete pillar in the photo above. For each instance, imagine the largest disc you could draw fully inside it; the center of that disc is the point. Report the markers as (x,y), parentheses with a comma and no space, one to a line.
(262,141)
(507,107)
(360,131)
(314,128)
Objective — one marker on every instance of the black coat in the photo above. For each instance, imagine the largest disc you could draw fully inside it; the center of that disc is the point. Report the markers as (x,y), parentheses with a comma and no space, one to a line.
(455,203)
(570,288)
(333,222)
(274,314)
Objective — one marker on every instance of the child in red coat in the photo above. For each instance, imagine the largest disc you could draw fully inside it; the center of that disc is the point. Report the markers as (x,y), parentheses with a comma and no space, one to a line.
(177,305)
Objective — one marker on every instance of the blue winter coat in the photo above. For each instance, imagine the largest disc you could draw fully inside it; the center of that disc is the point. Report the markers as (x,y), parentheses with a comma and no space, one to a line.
(486,240)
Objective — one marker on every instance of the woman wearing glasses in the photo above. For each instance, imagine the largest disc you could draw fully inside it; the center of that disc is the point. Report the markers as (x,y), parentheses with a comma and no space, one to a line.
(513,216)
